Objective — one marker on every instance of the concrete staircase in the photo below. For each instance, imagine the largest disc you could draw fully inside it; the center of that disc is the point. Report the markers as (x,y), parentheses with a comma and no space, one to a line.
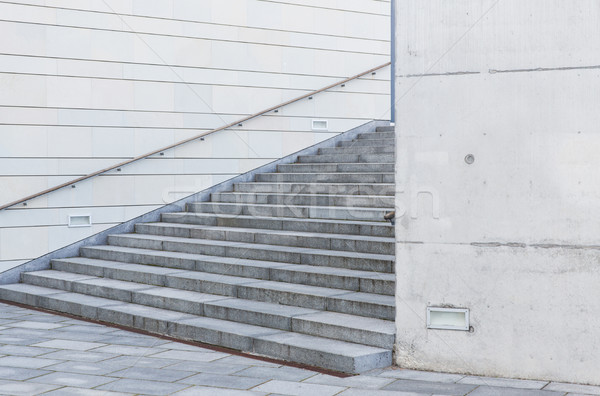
(298,265)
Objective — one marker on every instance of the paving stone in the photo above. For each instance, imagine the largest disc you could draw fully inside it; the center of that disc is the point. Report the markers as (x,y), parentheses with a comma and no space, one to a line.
(71,391)
(223,381)
(25,340)
(244,361)
(88,328)
(143,387)
(503,382)
(73,379)
(498,391)
(184,347)
(27,324)
(26,362)
(148,373)
(128,350)
(280,373)
(94,368)
(207,367)
(298,388)
(80,356)
(359,381)
(17,388)
(573,388)
(210,391)
(69,344)
(421,375)
(438,388)
(20,374)
(193,356)
(372,392)
(135,361)
(21,350)
(133,341)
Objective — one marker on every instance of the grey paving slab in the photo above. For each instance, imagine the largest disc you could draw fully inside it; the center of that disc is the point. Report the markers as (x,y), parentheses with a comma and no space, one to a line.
(17,388)
(79,356)
(498,391)
(69,344)
(280,373)
(135,361)
(438,388)
(210,391)
(128,350)
(88,328)
(359,381)
(573,388)
(503,382)
(93,368)
(26,362)
(38,325)
(73,379)
(244,361)
(21,350)
(143,387)
(20,374)
(223,381)
(132,341)
(23,340)
(298,388)
(371,392)
(421,375)
(72,391)
(184,347)
(190,355)
(212,367)
(148,373)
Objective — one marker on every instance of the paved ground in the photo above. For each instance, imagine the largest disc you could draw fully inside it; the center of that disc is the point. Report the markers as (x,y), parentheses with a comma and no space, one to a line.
(48,354)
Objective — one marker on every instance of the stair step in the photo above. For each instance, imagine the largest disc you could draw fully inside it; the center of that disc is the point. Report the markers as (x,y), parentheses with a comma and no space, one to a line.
(125,283)
(323,352)
(294,199)
(311,212)
(378,135)
(326,177)
(368,331)
(389,128)
(357,150)
(285,224)
(339,278)
(337,167)
(262,252)
(317,188)
(315,240)
(347,158)
(368,143)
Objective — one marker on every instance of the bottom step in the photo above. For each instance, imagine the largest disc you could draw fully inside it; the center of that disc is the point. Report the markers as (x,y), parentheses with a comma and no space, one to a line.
(299,348)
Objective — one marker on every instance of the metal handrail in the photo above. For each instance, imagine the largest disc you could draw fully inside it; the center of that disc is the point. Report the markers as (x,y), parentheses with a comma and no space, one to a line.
(143,156)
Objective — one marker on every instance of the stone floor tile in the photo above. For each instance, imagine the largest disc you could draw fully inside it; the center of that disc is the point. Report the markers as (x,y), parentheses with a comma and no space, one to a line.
(71,391)
(375,392)
(79,356)
(244,361)
(19,373)
(207,367)
(143,387)
(184,347)
(26,362)
(26,324)
(438,388)
(223,381)
(147,373)
(92,368)
(87,328)
(136,361)
(73,379)
(17,388)
(298,388)
(280,373)
(23,340)
(132,341)
(21,350)
(69,344)
(573,388)
(499,391)
(208,356)
(359,381)
(421,375)
(208,391)
(503,382)
(128,350)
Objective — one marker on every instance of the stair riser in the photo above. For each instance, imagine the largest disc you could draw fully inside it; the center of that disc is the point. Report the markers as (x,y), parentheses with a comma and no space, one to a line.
(289,224)
(331,212)
(381,201)
(325,178)
(331,168)
(368,143)
(347,158)
(283,256)
(378,135)
(362,150)
(315,242)
(389,128)
(319,188)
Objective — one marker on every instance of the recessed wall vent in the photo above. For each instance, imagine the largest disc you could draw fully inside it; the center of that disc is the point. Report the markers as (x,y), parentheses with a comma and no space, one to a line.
(320,125)
(80,220)
(448,318)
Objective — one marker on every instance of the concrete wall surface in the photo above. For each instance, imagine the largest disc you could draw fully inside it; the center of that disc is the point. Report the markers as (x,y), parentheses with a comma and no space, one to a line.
(514,236)
(88,84)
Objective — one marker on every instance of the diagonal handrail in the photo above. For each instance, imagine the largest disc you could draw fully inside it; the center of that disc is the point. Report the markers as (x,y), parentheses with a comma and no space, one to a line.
(143,156)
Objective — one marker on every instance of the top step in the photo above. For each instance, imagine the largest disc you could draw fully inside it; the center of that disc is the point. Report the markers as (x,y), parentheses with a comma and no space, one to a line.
(389,128)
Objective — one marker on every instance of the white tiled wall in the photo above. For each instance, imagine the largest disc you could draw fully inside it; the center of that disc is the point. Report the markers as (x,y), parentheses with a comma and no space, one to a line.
(88,84)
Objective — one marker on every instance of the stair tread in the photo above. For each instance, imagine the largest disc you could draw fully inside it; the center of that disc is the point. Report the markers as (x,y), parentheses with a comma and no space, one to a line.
(255,246)
(293,339)
(294,206)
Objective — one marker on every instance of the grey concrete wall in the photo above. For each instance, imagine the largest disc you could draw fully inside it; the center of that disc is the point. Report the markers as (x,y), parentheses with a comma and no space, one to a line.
(515,235)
